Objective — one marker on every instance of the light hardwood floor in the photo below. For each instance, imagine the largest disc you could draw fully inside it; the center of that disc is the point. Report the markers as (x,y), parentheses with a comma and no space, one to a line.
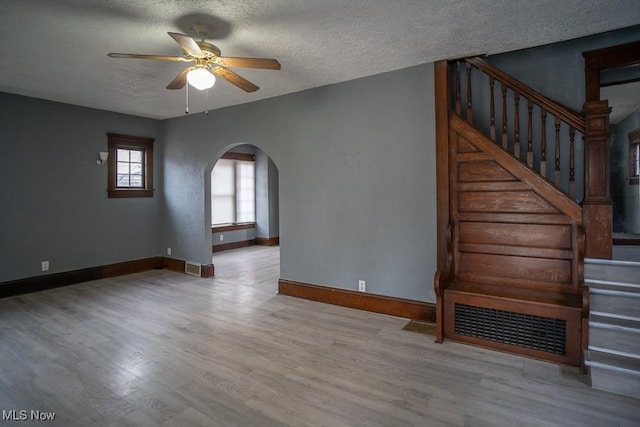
(163,348)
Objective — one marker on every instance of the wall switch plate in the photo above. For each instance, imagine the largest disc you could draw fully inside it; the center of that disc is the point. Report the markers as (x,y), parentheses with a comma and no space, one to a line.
(362,286)
(168,251)
(45,265)
(222,237)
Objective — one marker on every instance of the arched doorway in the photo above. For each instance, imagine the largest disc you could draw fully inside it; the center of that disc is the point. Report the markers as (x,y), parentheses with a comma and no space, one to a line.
(244,201)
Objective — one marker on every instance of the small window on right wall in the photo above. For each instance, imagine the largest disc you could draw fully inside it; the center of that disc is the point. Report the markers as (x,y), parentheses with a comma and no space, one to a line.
(634,157)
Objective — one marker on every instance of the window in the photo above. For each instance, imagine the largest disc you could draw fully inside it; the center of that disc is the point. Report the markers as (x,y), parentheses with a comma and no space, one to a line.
(233,189)
(130,166)
(634,156)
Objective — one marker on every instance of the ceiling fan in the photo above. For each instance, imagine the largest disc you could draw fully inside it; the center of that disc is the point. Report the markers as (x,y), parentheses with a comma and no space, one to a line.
(207,63)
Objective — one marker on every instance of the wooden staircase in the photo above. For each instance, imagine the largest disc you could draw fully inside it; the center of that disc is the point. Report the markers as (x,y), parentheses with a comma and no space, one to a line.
(511,244)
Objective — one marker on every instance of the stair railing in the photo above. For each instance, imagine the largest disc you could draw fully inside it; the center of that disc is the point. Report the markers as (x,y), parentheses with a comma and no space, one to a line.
(566,125)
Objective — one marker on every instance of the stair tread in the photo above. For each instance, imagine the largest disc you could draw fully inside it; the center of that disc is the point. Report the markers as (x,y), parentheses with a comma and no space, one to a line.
(631,289)
(613,361)
(612,271)
(596,320)
(618,263)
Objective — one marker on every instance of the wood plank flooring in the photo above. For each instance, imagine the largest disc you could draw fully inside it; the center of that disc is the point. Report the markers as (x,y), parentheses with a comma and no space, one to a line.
(163,348)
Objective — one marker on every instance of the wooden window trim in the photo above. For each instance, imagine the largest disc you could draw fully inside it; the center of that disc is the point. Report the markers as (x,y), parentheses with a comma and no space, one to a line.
(230,155)
(634,139)
(116,141)
(232,227)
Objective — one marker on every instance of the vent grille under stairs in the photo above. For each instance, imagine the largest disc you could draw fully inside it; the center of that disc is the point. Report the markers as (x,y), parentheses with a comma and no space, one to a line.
(519,329)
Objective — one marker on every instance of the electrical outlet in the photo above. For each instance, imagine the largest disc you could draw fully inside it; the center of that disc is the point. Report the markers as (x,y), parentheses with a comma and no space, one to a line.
(45,265)
(222,237)
(168,251)
(362,286)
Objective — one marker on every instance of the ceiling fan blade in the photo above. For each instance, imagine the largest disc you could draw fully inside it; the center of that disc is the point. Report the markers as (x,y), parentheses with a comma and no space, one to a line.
(158,57)
(235,79)
(188,44)
(263,63)
(180,80)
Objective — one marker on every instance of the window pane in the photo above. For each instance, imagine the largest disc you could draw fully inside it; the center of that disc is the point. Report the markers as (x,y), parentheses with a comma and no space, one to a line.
(122,181)
(136,181)
(122,155)
(136,168)
(222,178)
(223,192)
(246,192)
(123,168)
(129,169)
(222,209)
(136,156)
(233,191)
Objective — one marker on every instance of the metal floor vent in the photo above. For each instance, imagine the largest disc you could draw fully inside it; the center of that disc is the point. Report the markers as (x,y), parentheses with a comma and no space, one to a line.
(192,268)
(522,330)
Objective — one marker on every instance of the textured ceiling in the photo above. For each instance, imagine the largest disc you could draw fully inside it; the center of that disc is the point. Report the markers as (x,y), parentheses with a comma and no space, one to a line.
(58,49)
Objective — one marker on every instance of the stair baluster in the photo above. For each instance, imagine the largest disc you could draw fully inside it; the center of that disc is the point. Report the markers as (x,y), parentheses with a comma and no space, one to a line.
(557,153)
(492,108)
(543,142)
(458,101)
(505,137)
(469,101)
(529,133)
(516,142)
(572,163)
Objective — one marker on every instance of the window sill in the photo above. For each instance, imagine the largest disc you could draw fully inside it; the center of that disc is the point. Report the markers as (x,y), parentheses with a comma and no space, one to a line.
(232,227)
(121,194)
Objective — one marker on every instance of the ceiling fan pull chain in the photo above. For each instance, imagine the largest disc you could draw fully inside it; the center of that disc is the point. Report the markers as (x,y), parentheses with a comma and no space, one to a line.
(186,108)
(206,102)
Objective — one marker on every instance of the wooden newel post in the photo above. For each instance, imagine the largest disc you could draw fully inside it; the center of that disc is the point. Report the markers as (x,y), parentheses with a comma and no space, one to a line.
(597,214)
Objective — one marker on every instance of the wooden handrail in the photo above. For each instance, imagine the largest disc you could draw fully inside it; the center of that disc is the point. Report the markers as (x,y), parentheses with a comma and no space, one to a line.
(565,114)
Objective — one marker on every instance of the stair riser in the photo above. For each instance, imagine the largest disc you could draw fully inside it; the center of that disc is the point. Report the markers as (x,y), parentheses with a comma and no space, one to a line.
(620,305)
(616,382)
(617,340)
(612,272)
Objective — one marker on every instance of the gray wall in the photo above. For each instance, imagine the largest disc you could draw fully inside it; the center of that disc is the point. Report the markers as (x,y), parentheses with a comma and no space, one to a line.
(54,199)
(626,197)
(233,236)
(356,165)
(266,196)
(274,203)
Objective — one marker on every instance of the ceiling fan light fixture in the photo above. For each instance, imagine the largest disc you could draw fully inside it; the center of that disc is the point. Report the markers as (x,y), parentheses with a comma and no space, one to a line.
(201,78)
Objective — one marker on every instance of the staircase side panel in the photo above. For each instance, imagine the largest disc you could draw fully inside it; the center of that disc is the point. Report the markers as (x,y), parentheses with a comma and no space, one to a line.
(494,245)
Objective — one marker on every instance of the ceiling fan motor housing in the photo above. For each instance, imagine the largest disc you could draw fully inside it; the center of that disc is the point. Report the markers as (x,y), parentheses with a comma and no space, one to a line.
(209,49)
